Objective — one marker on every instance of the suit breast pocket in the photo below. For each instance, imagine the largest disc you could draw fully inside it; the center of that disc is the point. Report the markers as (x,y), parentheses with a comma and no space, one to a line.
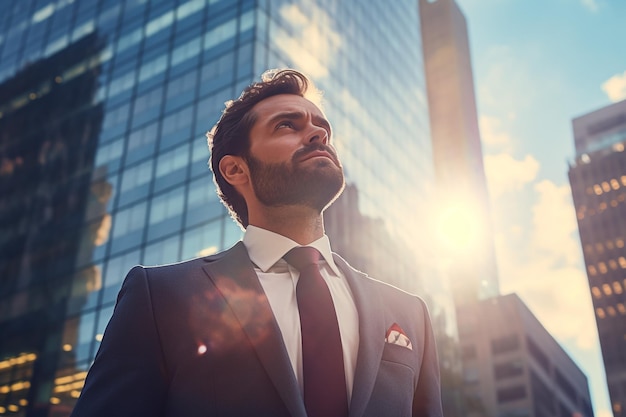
(400,355)
(395,383)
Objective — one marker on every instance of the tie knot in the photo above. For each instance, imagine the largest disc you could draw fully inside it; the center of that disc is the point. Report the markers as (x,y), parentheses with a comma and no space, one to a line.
(302,256)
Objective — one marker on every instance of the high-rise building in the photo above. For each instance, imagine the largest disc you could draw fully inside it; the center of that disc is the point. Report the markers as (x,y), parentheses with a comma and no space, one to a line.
(48,117)
(457,151)
(103,109)
(528,373)
(598,181)
(462,227)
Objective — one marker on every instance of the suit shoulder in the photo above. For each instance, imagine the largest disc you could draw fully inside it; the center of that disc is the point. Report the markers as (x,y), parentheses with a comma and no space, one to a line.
(167,273)
(384,288)
(388,289)
(173,267)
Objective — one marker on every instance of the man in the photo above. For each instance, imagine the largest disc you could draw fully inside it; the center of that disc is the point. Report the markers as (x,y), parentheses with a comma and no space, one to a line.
(254,330)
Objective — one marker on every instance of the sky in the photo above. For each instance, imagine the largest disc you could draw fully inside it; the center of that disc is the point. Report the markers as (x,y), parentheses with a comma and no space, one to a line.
(537,65)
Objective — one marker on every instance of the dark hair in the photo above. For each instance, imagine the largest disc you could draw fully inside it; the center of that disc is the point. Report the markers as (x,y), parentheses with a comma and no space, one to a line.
(230,135)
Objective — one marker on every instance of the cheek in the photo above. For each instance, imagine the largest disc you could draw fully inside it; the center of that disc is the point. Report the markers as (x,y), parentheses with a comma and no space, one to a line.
(273,153)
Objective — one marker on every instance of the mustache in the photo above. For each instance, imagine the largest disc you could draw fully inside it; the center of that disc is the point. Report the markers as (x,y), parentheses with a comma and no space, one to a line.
(307,149)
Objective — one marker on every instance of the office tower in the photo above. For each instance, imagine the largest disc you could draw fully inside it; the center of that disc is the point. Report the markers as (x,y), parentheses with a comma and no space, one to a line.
(47,121)
(598,180)
(529,374)
(463,227)
(103,109)
(461,185)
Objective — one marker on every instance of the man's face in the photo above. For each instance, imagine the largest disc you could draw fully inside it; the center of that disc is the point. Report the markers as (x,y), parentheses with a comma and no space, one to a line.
(291,160)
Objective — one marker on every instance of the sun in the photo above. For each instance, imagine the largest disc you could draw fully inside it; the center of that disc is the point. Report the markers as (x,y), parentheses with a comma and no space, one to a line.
(458,227)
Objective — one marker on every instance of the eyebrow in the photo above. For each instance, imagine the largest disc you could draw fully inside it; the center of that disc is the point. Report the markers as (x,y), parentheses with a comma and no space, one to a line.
(295,115)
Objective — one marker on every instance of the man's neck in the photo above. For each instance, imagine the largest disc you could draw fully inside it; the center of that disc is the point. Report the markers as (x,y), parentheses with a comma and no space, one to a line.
(302,225)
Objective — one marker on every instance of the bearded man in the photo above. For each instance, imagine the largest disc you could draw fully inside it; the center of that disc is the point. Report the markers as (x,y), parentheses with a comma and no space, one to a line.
(277,325)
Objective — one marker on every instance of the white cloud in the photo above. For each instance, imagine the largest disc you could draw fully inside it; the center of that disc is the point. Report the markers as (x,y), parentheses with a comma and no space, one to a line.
(507,85)
(541,261)
(554,222)
(590,4)
(506,174)
(615,87)
(492,134)
(555,295)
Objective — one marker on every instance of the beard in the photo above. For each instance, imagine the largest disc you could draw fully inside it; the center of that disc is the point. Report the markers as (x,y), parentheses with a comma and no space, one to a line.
(284,184)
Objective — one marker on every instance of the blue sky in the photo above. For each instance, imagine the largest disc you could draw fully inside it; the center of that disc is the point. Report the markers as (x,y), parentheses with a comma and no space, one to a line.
(537,65)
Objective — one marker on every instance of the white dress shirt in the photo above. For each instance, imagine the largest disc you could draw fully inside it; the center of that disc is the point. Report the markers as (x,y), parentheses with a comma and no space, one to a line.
(279,280)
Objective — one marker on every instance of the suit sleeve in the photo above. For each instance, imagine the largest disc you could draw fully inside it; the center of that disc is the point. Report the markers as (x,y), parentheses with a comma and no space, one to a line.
(128,376)
(427,397)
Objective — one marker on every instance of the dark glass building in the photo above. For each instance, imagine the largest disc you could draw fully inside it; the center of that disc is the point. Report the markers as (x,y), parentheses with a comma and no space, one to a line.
(598,182)
(104,106)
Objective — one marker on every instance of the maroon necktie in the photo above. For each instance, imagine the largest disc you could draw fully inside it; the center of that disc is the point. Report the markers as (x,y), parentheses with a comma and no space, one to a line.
(322,357)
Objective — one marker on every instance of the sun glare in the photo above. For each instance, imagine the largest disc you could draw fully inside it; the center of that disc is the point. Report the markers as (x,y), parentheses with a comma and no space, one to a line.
(458,227)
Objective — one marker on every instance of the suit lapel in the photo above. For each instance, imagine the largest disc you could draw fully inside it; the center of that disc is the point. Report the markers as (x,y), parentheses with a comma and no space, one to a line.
(233,275)
(371,336)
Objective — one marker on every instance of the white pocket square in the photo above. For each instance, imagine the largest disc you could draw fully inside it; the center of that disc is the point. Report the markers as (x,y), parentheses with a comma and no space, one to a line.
(396,336)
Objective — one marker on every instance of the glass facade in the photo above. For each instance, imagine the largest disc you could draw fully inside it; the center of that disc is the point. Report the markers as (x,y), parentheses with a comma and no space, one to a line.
(598,181)
(104,105)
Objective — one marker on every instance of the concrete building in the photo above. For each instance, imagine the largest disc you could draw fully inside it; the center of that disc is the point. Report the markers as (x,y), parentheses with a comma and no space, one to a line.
(598,182)
(513,367)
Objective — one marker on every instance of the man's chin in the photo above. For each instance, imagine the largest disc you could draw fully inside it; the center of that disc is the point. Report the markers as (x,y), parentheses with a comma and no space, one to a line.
(323,192)
(320,162)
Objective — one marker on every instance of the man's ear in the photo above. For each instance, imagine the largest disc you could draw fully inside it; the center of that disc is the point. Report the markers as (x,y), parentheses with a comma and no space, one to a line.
(234,170)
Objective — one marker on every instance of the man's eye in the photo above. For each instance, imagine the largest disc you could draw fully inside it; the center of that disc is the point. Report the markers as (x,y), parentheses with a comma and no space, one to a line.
(284,124)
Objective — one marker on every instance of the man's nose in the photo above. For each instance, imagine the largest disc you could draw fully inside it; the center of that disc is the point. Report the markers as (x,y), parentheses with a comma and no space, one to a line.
(317,134)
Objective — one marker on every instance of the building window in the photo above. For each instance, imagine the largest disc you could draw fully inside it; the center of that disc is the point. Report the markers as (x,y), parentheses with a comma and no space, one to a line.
(596,292)
(471,376)
(508,369)
(505,344)
(468,352)
(518,412)
(515,393)
(565,386)
(597,189)
(536,352)
(543,396)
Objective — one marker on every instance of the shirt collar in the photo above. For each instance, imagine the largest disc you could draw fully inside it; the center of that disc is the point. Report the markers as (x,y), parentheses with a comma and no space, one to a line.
(265,248)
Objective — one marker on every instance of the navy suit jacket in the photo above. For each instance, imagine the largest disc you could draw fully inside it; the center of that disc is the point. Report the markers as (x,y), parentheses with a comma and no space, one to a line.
(198,338)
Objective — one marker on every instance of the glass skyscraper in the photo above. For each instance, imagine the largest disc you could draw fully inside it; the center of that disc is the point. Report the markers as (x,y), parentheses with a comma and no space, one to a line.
(598,181)
(104,105)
